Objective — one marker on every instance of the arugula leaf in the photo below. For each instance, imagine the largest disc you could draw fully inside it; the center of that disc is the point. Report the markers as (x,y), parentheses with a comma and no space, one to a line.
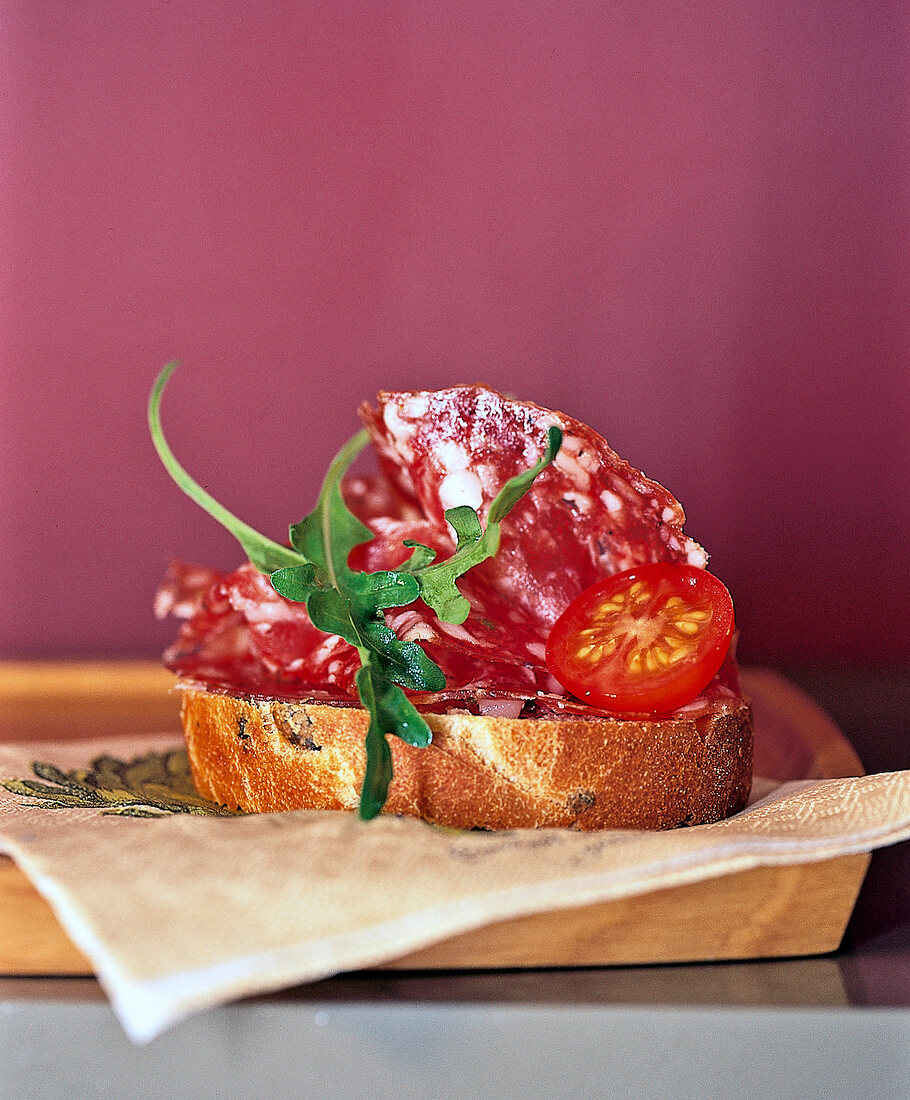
(474,545)
(328,534)
(377,774)
(466,523)
(516,487)
(350,603)
(331,612)
(384,588)
(389,710)
(422,556)
(392,708)
(265,554)
(405,662)
(295,582)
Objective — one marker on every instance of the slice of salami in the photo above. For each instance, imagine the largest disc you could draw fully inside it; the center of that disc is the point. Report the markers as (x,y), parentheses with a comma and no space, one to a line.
(183,589)
(588,515)
(242,635)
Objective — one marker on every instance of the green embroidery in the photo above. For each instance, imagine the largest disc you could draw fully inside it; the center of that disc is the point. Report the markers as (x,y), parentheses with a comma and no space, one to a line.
(152,785)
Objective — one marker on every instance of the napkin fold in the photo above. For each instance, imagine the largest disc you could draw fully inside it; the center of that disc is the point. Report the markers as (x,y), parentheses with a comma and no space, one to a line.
(180,908)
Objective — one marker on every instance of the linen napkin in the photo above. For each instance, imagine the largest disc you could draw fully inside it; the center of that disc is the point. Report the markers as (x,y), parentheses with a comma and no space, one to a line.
(180,907)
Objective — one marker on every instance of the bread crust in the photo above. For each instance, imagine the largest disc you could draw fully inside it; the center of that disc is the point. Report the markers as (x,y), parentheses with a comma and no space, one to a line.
(265,755)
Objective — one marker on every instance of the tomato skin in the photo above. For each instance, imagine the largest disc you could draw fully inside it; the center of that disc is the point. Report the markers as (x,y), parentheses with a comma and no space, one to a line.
(644,641)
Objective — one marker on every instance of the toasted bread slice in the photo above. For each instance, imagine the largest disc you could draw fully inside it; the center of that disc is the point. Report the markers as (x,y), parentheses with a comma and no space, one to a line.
(263,755)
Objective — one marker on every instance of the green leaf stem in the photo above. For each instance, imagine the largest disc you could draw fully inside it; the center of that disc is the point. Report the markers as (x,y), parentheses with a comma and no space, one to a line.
(265,554)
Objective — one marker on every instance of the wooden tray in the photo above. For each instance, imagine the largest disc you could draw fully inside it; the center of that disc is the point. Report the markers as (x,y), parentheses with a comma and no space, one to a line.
(799,909)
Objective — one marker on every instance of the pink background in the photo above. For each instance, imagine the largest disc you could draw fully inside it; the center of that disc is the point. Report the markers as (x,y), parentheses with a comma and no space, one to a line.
(685,223)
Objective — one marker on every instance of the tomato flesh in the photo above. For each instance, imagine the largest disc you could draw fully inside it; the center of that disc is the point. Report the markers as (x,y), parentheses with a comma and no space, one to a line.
(644,641)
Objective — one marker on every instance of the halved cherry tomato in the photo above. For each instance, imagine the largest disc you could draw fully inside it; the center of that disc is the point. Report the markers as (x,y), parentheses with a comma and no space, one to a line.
(644,641)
